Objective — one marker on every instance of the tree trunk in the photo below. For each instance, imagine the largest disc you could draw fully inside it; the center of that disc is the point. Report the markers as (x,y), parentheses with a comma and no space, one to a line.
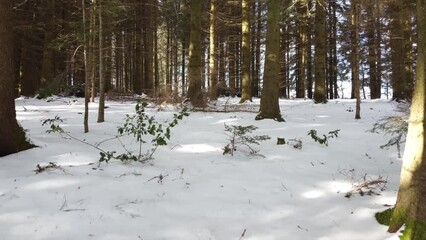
(212,55)
(91,56)
(355,15)
(375,84)
(246,91)
(410,207)
(320,95)
(398,43)
(30,67)
(332,50)
(232,68)
(12,136)
(183,66)
(148,43)
(302,9)
(258,43)
(269,102)
(138,51)
(195,94)
(408,51)
(48,69)
(377,42)
(309,61)
(284,48)
(101,109)
(86,71)
(253,47)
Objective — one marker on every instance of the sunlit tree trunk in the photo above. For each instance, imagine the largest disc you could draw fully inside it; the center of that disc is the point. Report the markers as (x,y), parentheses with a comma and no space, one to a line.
(12,136)
(320,94)
(212,54)
(246,91)
(410,207)
(269,102)
(253,33)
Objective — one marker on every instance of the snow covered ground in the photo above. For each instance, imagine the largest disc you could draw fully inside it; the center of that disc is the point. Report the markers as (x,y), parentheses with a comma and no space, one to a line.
(283,193)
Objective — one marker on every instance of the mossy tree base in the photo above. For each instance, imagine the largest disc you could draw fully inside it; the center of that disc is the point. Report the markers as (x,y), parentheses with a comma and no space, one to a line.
(384,217)
(414,230)
(275,117)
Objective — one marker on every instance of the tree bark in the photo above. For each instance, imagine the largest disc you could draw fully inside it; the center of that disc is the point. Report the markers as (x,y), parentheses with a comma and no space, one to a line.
(12,136)
(269,102)
(148,43)
(332,50)
(401,79)
(212,55)
(91,56)
(284,48)
(302,9)
(355,14)
(372,29)
(86,71)
(320,94)
(48,69)
(246,90)
(101,108)
(195,94)
(410,207)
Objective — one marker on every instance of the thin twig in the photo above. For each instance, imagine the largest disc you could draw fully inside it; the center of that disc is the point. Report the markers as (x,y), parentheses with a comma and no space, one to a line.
(244,233)
(160,178)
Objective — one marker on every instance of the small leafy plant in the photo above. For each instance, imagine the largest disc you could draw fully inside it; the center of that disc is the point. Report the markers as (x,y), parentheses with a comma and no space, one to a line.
(54,124)
(324,139)
(238,136)
(138,126)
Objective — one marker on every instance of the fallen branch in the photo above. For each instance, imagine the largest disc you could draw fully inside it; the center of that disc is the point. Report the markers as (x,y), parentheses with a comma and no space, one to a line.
(368,187)
(160,178)
(48,167)
(64,208)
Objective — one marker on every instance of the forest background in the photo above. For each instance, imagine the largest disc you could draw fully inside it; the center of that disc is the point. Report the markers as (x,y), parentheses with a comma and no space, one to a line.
(145,46)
